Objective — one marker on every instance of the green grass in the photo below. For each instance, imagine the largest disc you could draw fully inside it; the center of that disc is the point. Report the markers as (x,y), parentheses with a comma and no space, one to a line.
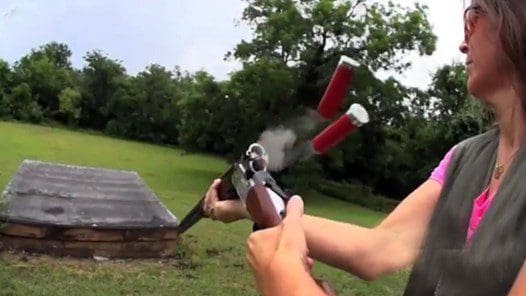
(211,256)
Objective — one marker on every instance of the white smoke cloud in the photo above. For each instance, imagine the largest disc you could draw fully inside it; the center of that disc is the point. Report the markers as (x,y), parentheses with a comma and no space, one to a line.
(307,122)
(282,145)
(277,142)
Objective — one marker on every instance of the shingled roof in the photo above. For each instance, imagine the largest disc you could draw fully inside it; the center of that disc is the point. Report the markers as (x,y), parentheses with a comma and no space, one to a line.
(67,210)
(75,196)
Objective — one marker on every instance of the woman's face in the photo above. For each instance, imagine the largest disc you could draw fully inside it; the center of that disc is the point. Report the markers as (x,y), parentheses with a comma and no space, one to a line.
(485,59)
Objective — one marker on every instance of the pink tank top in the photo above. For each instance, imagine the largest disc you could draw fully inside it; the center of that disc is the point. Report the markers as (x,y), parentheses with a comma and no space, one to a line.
(480,204)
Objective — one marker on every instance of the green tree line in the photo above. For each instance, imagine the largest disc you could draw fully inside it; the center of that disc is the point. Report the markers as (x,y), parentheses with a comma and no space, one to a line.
(286,67)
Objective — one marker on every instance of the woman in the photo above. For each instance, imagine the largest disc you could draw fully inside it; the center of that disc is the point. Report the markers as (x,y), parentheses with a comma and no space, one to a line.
(464,229)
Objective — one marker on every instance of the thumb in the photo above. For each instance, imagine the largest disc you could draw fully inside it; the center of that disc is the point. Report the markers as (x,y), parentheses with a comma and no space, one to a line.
(294,208)
(292,231)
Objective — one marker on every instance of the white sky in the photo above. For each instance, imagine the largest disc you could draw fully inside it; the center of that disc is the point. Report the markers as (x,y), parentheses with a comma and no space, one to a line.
(446,19)
(194,34)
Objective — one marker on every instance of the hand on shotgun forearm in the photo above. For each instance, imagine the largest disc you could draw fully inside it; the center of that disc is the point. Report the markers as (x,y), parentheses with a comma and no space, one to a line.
(224,211)
(279,256)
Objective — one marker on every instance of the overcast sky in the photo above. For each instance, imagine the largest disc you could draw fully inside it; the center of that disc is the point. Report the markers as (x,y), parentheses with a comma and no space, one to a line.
(193,34)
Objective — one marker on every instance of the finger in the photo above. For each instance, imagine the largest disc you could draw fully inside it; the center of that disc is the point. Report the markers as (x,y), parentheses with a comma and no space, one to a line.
(213,191)
(209,190)
(294,208)
(211,197)
(293,235)
(216,183)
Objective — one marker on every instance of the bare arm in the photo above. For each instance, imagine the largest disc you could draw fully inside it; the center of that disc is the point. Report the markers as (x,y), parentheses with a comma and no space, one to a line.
(369,253)
(365,252)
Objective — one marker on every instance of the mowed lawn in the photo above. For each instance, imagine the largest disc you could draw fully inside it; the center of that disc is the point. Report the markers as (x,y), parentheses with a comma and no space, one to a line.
(211,256)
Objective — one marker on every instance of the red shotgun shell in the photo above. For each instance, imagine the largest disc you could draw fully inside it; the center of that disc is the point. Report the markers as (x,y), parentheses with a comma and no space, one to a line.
(335,92)
(355,117)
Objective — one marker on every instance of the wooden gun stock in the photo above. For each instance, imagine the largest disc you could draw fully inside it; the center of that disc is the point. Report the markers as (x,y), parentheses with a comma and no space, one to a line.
(261,208)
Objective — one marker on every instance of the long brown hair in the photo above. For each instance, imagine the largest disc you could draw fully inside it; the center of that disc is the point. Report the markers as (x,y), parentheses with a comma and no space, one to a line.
(510,18)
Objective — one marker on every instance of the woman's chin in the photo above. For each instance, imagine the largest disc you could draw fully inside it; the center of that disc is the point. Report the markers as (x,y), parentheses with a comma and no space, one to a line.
(471,86)
(474,87)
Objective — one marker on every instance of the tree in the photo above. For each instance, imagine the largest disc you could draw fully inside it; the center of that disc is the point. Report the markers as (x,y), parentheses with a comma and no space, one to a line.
(69,105)
(226,117)
(199,92)
(311,35)
(47,72)
(5,74)
(448,89)
(5,82)
(264,92)
(457,115)
(148,111)
(58,53)
(102,78)
(21,106)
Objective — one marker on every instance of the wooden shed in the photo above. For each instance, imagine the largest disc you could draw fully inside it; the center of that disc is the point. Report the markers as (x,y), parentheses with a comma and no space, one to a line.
(66,210)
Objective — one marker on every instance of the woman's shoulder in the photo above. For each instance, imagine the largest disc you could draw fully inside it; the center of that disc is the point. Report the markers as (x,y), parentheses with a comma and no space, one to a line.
(439,173)
(474,153)
(478,140)
(471,146)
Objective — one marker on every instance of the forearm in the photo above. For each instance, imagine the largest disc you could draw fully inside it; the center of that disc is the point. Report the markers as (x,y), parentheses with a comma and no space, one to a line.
(367,253)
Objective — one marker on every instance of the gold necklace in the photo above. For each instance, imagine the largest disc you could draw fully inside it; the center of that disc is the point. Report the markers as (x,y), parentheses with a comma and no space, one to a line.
(499,167)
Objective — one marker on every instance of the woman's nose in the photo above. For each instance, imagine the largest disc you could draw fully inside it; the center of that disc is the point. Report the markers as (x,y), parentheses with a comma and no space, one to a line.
(464,47)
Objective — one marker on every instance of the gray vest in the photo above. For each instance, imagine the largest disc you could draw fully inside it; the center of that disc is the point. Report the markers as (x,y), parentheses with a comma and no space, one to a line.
(489,264)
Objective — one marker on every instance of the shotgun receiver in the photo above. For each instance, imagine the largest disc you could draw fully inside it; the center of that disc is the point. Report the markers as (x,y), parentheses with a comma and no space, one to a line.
(248,180)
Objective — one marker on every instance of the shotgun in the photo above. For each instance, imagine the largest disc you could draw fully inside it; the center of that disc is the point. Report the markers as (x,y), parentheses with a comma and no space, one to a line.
(248,180)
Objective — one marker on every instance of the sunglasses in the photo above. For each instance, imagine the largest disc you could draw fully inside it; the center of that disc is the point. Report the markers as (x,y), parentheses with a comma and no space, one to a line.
(471,16)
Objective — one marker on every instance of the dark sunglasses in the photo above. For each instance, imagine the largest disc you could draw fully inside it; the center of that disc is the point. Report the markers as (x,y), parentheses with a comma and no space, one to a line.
(471,16)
